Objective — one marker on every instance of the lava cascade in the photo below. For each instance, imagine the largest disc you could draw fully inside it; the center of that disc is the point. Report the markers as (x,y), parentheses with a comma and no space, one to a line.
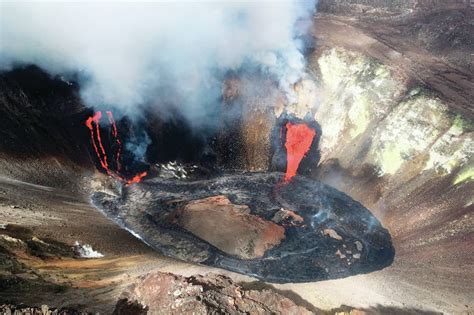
(93,124)
(298,142)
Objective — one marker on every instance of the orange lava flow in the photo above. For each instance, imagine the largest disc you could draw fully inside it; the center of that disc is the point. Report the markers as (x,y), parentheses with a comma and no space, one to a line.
(102,157)
(298,142)
(99,149)
(117,139)
(137,178)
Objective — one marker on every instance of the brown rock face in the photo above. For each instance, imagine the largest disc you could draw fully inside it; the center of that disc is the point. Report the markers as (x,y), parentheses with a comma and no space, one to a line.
(162,293)
(230,227)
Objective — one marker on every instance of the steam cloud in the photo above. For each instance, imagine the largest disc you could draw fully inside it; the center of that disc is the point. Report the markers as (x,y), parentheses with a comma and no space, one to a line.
(130,55)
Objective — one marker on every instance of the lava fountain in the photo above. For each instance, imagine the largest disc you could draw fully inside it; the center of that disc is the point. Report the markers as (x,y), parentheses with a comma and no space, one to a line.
(93,124)
(298,142)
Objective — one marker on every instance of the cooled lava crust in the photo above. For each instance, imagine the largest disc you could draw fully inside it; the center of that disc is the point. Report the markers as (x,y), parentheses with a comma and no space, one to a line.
(304,230)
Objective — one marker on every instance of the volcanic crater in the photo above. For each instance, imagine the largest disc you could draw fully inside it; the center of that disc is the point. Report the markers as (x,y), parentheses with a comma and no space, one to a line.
(279,193)
(241,222)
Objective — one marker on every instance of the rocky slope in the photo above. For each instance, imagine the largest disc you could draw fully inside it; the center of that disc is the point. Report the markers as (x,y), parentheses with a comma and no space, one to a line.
(41,138)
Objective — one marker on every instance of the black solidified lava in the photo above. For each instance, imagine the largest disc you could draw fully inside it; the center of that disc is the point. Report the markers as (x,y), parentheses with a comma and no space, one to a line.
(337,237)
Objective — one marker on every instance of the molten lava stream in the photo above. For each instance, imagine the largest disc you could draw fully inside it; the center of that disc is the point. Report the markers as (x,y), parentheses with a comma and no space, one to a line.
(136,179)
(298,142)
(117,139)
(89,123)
(100,150)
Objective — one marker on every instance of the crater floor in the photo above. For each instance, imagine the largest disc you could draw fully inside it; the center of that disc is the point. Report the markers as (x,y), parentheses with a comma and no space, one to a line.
(255,224)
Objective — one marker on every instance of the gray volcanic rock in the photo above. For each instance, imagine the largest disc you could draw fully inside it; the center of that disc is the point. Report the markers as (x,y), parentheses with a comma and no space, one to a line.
(326,234)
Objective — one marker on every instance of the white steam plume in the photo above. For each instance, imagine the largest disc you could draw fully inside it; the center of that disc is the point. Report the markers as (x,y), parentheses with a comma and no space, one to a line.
(132,54)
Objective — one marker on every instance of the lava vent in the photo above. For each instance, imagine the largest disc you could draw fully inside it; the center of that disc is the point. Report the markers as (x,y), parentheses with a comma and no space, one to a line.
(248,223)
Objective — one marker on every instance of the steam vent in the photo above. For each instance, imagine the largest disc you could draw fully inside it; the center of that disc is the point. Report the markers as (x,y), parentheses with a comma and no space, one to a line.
(253,157)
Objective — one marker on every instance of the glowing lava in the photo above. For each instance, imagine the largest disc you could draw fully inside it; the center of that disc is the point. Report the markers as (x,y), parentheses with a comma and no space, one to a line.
(298,142)
(137,178)
(117,139)
(100,154)
(93,123)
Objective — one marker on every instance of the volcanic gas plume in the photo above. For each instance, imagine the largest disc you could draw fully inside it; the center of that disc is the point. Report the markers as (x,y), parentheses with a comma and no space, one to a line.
(126,55)
(111,166)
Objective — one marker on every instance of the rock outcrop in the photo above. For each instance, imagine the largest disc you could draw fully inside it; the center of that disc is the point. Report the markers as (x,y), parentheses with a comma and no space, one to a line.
(162,293)
(230,227)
